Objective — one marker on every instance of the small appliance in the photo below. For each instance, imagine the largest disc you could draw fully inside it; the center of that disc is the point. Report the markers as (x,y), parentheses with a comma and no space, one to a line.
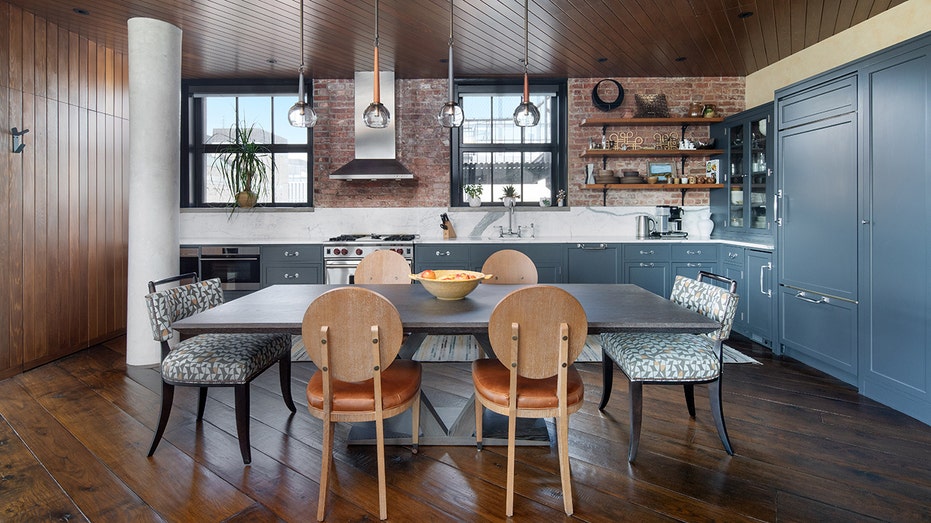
(668,222)
(645,226)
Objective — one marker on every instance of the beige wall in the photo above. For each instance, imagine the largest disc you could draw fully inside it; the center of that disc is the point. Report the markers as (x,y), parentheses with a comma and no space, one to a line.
(900,23)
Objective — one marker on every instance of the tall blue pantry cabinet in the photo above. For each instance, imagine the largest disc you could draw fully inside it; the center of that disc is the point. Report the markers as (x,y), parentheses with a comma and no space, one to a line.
(853,235)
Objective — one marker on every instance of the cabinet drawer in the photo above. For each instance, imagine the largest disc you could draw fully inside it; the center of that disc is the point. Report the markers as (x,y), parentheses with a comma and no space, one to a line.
(820,331)
(822,101)
(699,252)
(293,253)
(293,273)
(646,252)
(442,252)
(732,256)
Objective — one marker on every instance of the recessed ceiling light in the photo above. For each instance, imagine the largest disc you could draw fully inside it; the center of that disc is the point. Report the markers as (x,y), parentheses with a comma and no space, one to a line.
(80,11)
(681,58)
(745,14)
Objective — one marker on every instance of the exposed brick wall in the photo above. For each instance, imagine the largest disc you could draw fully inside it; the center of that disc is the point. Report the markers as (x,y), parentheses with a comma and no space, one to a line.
(726,93)
(423,146)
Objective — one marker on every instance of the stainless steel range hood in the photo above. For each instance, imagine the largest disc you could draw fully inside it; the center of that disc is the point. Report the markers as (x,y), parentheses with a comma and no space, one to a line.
(375,148)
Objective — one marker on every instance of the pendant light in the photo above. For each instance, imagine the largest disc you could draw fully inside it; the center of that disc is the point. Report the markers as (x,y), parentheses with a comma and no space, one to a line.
(450,114)
(376,115)
(302,114)
(526,114)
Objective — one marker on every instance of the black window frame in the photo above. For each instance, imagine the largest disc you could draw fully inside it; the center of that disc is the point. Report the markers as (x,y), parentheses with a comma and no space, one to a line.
(558,148)
(192,123)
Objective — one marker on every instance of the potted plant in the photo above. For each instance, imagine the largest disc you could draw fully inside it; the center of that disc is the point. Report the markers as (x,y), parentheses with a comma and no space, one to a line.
(560,197)
(509,195)
(474,192)
(244,167)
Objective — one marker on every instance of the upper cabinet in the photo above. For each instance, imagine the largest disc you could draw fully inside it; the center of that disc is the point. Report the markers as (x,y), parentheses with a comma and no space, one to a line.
(744,210)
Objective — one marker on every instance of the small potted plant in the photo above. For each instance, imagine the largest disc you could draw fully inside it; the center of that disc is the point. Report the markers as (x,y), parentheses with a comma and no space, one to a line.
(244,167)
(560,197)
(474,192)
(509,195)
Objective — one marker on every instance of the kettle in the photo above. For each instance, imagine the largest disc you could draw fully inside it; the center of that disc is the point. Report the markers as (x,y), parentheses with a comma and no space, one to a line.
(645,226)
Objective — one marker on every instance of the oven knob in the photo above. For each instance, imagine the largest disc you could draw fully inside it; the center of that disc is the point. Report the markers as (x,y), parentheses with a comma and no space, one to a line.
(358,252)
(400,251)
(343,251)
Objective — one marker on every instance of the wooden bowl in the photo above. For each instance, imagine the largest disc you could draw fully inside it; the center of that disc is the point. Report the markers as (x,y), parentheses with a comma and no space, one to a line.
(446,287)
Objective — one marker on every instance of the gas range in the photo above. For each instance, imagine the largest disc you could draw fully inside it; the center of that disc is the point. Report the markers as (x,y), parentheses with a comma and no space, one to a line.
(354,247)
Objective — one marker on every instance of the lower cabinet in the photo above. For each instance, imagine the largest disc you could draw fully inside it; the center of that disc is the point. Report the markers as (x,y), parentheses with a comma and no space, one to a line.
(292,264)
(732,266)
(549,258)
(688,259)
(820,331)
(441,256)
(647,266)
(593,262)
(760,297)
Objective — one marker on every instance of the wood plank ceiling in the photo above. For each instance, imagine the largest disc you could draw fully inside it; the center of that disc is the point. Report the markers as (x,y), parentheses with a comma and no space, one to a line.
(568,38)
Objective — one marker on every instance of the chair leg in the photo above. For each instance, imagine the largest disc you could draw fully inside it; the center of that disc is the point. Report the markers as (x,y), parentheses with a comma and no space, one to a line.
(690,398)
(326,460)
(415,425)
(284,377)
(562,440)
(717,412)
(168,395)
(512,435)
(380,447)
(241,404)
(201,403)
(478,422)
(636,418)
(607,379)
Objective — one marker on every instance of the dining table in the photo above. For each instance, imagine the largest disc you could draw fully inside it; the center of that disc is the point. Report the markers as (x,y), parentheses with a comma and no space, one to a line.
(608,308)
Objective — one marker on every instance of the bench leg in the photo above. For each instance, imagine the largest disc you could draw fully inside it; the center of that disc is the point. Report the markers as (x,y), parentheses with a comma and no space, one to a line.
(242,421)
(168,396)
(284,376)
(607,379)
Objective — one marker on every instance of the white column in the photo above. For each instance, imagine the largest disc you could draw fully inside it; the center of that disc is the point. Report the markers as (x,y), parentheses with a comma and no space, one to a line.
(154,187)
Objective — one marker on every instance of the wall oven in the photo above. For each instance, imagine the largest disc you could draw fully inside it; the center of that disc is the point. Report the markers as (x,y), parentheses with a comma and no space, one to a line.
(237,267)
(342,254)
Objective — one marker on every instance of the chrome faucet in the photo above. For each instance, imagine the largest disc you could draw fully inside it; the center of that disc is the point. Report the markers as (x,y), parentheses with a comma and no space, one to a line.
(509,204)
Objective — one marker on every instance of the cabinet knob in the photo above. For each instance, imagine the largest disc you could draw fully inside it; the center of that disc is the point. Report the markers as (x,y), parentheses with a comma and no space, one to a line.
(289,277)
(441,253)
(289,254)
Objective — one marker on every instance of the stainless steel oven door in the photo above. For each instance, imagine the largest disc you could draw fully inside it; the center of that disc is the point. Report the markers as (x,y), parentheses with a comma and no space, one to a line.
(341,271)
(235,273)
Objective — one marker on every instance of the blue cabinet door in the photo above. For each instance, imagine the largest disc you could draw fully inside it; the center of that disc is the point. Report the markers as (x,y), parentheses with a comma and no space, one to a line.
(652,276)
(760,297)
(441,256)
(548,258)
(820,331)
(593,263)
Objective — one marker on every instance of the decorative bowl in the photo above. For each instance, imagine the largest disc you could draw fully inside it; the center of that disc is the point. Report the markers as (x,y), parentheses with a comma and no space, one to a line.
(446,287)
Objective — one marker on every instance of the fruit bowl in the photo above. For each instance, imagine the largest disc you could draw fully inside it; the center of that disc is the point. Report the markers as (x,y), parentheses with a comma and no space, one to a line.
(450,284)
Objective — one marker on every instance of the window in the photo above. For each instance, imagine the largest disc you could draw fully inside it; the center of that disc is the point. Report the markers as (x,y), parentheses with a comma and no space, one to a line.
(212,113)
(491,151)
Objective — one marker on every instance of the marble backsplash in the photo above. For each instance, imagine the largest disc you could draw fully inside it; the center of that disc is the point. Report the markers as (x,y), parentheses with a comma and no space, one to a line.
(273,226)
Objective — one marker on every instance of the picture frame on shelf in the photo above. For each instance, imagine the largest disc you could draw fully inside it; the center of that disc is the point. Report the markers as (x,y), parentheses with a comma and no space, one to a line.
(666,169)
(713,169)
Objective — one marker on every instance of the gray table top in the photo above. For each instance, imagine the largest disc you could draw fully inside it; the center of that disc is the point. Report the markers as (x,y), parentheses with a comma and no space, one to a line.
(609,307)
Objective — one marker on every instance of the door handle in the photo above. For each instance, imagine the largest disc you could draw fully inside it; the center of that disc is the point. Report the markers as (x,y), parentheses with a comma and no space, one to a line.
(801,296)
(441,253)
(288,276)
(767,292)
(585,247)
(288,254)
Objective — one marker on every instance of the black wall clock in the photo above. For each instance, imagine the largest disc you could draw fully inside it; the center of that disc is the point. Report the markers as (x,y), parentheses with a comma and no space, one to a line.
(607,105)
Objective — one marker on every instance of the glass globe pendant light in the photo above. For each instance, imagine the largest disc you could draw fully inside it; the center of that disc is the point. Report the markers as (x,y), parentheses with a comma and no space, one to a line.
(450,114)
(526,114)
(302,114)
(376,115)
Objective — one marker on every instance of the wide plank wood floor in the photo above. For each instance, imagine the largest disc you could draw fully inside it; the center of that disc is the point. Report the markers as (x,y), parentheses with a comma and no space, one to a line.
(74,434)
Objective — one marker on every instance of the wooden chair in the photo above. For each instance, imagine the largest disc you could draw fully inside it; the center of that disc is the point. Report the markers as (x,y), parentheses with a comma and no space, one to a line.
(383,266)
(353,335)
(508,266)
(675,358)
(211,360)
(536,333)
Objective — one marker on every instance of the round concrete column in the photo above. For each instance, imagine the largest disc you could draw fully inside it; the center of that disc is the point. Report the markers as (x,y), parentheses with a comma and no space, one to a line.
(154,187)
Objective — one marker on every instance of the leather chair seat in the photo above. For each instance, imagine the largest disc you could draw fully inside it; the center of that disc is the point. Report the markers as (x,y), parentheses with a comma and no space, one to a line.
(399,383)
(492,381)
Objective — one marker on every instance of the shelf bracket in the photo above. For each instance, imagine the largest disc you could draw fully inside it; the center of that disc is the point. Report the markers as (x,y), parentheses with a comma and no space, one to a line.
(682,203)
(604,157)
(604,196)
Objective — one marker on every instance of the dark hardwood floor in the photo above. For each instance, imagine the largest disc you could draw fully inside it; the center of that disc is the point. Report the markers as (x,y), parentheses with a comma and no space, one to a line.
(74,434)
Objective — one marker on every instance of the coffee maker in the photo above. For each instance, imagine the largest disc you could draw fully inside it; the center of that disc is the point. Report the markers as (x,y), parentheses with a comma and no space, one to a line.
(669,221)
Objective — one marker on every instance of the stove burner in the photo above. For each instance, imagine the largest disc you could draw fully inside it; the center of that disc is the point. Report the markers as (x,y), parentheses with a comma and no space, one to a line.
(399,238)
(370,237)
(347,237)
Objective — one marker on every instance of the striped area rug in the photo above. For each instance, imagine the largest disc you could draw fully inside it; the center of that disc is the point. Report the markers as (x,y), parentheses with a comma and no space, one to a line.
(465,348)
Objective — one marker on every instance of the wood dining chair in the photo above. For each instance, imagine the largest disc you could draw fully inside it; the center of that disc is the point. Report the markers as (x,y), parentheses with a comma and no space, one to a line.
(383,266)
(536,333)
(211,360)
(675,358)
(510,267)
(353,335)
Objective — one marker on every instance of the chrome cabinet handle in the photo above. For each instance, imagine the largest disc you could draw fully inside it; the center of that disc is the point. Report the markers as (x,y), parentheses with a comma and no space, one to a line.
(801,296)
(690,264)
(767,292)
(649,252)
(647,264)
(288,254)
(585,247)
(441,253)
(288,276)
(776,217)
(732,255)
(693,253)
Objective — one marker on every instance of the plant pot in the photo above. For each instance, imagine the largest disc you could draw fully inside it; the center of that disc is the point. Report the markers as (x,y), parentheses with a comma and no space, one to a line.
(475,201)
(507,201)
(246,199)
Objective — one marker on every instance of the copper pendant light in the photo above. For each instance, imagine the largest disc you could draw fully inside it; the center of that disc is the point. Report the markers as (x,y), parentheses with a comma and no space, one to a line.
(526,114)
(376,115)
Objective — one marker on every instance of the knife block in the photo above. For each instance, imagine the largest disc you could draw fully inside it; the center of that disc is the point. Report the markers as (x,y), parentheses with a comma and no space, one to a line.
(448,232)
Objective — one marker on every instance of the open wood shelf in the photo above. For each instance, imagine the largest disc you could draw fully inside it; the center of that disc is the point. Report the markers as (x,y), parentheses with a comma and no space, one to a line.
(639,153)
(688,120)
(664,186)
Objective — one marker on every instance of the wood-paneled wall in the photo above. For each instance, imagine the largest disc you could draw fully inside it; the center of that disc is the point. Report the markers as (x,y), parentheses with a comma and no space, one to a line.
(63,201)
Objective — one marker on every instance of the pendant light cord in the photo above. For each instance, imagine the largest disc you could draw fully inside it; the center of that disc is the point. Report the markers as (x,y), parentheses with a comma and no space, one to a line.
(526,52)
(301,86)
(450,60)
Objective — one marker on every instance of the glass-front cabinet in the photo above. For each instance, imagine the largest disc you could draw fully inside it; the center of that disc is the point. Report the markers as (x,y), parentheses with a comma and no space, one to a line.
(744,208)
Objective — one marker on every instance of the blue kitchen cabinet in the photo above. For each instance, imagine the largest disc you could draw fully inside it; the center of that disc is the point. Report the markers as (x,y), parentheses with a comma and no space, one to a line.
(759,297)
(593,262)
(441,256)
(820,331)
(732,266)
(688,259)
(292,264)
(549,258)
(647,265)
